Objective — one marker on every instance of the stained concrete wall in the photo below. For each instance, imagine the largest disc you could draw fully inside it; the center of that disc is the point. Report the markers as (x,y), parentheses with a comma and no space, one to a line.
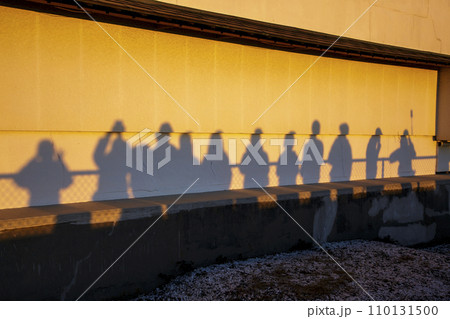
(57,252)
(71,97)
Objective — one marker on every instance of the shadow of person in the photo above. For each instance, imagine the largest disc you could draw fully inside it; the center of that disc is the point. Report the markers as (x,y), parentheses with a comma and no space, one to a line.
(183,160)
(287,170)
(173,166)
(109,156)
(340,157)
(404,155)
(159,160)
(372,154)
(254,162)
(44,176)
(216,171)
(310,170)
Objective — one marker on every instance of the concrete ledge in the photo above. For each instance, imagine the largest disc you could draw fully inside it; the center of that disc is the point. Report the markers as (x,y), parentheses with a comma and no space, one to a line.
(56,252)
(126,209)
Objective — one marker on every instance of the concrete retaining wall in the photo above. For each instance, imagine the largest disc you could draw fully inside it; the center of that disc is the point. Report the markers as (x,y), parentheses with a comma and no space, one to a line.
(57,252)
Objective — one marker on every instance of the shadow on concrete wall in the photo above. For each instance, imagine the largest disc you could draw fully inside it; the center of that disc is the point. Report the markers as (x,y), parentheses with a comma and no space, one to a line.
(109,158)
(146,177)
(340,157)
(215,171)
(288,170)
(404,155)
(251,164)
(373,154)
(44,176)
(310,170)
(197,236)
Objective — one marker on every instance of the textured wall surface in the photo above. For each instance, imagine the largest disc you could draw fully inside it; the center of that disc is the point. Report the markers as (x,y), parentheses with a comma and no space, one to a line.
(67,85)
(416,24)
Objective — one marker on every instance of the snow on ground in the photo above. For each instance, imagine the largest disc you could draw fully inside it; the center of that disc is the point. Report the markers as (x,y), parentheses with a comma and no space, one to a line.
(385,271)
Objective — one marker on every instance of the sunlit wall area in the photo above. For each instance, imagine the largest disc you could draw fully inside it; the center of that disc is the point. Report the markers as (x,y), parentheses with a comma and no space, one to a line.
(416,24)
(66,74)
(51,168)
(75,106)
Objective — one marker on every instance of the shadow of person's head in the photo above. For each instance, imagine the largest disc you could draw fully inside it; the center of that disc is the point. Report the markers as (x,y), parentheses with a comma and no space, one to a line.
(343,128)
(378,131)
(404,139)
(165,128)
(118,127)
(256,136)
(315,127)
(288,138)
(46,151)
(217,135)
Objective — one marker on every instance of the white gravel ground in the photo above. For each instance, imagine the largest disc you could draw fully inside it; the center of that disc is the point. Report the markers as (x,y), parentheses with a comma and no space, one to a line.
(385,271)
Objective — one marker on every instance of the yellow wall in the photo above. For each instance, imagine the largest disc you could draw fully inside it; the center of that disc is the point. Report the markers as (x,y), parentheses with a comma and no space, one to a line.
(416,24)
(64,80)
(70,70)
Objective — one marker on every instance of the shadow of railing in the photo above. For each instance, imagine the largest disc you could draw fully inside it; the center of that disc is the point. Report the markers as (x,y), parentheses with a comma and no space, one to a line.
(85,181)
